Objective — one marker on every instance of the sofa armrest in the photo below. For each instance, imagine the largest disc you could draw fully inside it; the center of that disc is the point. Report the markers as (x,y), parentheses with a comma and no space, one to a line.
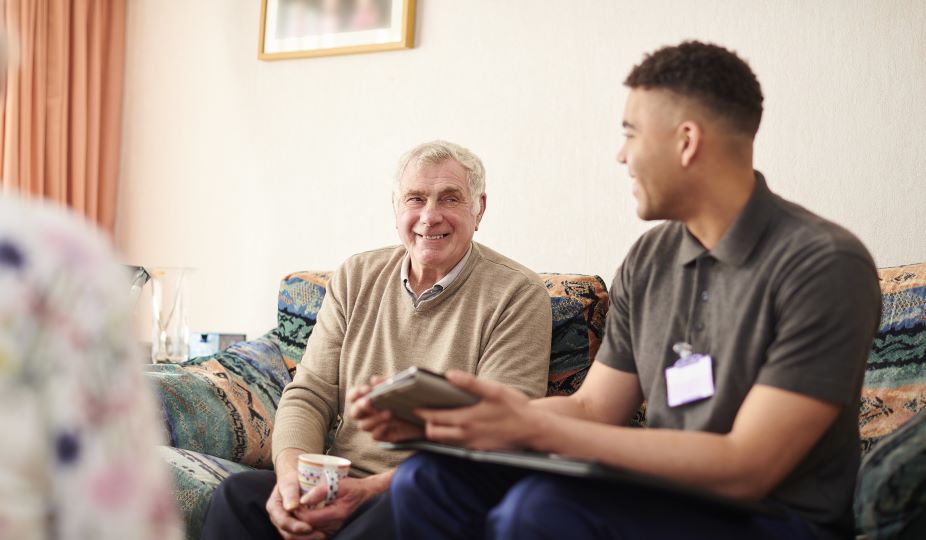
(890,495)
(223,405)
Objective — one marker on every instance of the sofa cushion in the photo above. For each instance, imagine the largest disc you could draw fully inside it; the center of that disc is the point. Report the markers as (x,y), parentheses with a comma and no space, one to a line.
(579,305)
(224,404)
(890,497)
(195,477)
(895,378)
(301,295)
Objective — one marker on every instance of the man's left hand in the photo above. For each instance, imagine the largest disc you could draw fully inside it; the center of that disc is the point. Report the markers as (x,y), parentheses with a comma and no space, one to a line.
(502,420)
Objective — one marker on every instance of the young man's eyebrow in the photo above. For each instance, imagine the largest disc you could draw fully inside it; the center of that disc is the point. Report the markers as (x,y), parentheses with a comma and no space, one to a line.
(627,125)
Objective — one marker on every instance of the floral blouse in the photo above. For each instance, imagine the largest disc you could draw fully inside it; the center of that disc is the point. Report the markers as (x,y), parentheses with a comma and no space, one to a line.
(78,423)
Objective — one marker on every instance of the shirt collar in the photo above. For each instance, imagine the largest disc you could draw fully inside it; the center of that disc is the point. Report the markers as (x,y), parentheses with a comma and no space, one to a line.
(690,249)
(446,280)
(738,242)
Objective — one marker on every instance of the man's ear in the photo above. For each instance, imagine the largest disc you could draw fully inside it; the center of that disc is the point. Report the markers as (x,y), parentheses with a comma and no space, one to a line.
(482,209)
(690,137)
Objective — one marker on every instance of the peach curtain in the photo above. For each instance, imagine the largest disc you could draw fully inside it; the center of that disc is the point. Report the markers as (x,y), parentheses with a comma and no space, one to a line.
(61,112)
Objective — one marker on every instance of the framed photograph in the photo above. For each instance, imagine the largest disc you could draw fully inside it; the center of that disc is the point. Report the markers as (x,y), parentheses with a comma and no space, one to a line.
(304,28)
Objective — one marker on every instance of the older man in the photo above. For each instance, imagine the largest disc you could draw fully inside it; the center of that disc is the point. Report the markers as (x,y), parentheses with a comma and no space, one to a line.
(440,301)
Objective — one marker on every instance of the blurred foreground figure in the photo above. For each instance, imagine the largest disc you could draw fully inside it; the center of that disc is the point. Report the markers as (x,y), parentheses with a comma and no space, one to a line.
(79,460)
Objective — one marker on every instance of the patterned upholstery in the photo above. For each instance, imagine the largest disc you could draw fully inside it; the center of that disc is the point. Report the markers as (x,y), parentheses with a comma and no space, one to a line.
(196,476)
(238,388)
(197,396)
(890,497)
(579,305)
(301,295)
(890,494)
(895,379)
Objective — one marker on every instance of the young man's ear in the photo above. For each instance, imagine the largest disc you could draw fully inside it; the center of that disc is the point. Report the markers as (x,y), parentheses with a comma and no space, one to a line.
(689,141)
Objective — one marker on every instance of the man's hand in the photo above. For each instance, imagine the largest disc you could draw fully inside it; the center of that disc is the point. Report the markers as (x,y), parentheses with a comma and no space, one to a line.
(296,519)
(503,419)
(352,492)
(380,424)
(283,506)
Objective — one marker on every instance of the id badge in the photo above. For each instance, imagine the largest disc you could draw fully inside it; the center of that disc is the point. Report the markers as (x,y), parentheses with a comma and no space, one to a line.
(691,378)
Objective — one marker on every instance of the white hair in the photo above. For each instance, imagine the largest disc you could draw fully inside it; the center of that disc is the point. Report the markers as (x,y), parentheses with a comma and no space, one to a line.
(434,152)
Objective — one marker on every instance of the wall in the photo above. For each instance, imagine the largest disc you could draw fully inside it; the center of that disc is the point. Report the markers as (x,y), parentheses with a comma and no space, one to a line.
(248,170)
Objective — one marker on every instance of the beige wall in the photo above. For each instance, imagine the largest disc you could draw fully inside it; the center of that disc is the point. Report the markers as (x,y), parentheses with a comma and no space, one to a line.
(248,170)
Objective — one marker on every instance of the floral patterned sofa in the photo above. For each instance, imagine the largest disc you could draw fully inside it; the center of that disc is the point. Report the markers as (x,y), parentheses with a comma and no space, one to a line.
(218,410)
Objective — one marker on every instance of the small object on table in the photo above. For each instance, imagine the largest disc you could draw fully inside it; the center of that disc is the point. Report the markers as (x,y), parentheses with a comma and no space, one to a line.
(209,343)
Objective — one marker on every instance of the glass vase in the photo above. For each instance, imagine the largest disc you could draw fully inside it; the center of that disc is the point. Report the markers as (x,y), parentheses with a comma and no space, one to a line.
(170,291)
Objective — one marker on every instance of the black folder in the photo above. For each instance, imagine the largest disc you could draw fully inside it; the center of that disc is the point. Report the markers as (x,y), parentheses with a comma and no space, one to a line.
(556,464)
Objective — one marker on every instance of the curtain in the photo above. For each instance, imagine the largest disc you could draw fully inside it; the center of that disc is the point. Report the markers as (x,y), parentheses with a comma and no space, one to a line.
(60,115)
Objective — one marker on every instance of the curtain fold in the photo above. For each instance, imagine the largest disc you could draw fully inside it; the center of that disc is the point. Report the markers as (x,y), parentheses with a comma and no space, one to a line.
(61,112)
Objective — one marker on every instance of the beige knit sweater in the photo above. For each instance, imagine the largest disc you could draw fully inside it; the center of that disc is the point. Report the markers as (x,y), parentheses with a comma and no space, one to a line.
(494,320)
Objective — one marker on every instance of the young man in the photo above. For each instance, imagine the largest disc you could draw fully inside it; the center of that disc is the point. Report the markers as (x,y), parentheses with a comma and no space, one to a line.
(744,321)
(439,301)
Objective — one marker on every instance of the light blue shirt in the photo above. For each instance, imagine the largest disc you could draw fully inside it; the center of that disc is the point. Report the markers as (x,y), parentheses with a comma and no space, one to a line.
(438,287)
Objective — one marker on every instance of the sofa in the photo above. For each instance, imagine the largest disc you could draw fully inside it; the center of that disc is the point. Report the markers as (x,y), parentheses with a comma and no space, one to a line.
(218,410)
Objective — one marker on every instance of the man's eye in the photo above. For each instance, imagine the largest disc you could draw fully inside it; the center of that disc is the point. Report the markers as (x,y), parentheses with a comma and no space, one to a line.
(413,200)
(451,201)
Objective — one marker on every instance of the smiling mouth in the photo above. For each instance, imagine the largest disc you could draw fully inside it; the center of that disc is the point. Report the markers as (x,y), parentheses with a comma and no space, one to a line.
(433,236)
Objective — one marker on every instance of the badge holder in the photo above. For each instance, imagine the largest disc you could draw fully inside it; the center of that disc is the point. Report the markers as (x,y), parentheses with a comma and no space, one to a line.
(690,378)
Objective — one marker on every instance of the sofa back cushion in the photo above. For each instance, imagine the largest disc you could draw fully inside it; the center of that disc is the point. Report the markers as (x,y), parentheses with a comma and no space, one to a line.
(579,304)
(895,378)
(301,295)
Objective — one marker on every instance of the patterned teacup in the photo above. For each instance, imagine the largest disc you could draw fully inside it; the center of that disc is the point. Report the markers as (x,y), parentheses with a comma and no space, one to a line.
(320,468)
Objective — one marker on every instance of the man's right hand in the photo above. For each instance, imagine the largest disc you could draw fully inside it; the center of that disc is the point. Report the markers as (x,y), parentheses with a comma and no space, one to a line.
(381,424)
(283,505)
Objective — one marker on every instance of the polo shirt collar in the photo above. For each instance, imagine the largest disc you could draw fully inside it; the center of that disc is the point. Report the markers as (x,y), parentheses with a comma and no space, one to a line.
(690,249)
(743,235)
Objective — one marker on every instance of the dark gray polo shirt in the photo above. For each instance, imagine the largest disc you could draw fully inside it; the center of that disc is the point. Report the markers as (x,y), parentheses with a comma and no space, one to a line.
(785,299)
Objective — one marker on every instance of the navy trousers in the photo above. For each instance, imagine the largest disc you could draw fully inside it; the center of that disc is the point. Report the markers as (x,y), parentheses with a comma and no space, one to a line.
(443,497)
(238,512)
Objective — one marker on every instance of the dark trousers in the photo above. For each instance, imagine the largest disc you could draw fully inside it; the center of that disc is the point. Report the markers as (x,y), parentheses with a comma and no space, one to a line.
(443,497)
(238,512)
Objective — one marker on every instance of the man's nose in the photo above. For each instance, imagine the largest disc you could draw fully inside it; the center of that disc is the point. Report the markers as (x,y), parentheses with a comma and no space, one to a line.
(431,214)
(622,155)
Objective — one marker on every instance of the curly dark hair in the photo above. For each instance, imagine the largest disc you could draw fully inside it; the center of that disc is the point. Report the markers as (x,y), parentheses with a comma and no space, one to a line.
(711,74)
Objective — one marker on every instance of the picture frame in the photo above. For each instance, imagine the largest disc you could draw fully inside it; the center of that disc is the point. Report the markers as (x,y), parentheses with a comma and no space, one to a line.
(310,28)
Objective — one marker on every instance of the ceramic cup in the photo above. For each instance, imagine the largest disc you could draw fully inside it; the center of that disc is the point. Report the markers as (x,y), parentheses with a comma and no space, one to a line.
(321,468)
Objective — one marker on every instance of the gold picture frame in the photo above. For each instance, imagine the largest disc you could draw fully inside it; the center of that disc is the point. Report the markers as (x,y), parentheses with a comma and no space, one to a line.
(308,28)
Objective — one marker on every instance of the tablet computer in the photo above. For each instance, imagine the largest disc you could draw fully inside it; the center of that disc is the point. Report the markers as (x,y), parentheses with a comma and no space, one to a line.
(418,388)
